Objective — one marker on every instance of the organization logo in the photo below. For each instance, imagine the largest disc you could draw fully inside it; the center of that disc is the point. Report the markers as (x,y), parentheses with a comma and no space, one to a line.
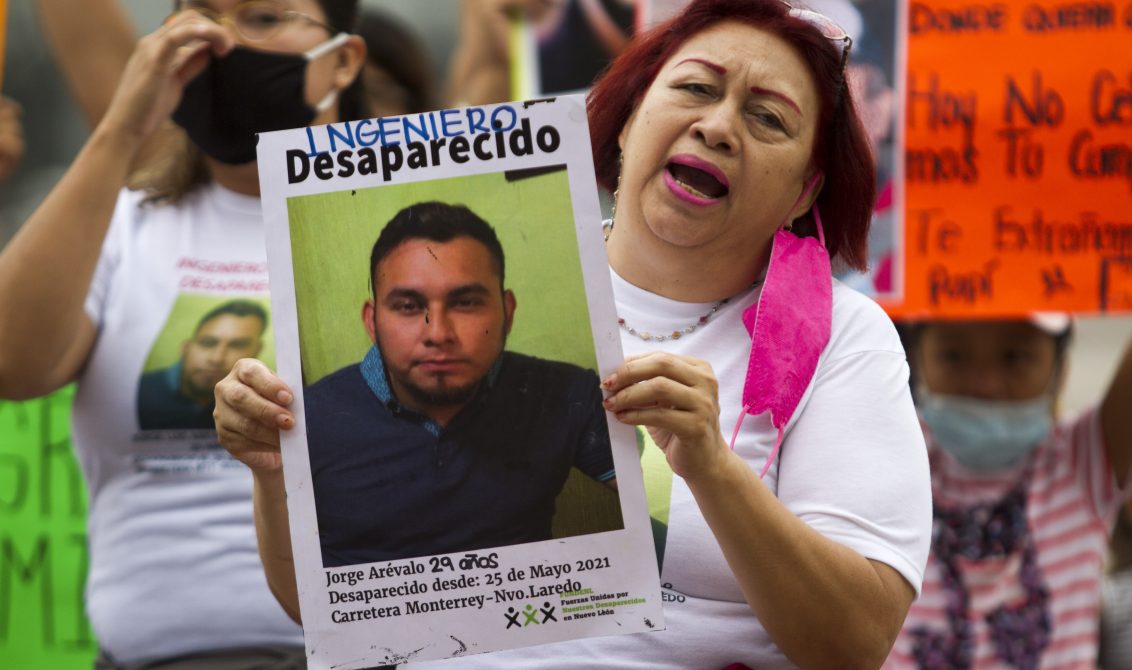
(529,615)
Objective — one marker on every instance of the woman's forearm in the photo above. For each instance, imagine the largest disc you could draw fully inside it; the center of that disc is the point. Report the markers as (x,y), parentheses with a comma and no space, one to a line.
(46,270)
(823,604)
(91,48)
(274,536)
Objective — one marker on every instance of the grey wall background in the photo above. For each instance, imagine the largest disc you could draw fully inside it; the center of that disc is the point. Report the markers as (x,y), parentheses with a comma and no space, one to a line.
(434,20)
(55,131)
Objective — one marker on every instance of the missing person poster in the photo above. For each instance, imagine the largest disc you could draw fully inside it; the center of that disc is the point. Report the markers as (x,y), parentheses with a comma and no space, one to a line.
(443,312)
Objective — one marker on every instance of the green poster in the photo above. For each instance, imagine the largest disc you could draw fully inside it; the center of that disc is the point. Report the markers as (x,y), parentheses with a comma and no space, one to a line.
(43,548)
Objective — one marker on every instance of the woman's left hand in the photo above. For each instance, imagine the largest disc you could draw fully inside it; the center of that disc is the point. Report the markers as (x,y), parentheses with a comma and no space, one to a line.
(677,399)
(155,76)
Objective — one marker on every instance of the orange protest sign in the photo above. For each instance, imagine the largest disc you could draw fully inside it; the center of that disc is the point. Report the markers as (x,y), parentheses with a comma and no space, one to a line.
(1018,158)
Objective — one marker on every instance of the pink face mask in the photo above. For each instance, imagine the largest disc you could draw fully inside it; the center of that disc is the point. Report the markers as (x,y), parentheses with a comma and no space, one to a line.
(789,326)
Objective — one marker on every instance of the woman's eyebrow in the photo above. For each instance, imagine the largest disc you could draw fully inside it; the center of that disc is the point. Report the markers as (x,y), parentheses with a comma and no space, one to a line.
(758,90)
(714,67)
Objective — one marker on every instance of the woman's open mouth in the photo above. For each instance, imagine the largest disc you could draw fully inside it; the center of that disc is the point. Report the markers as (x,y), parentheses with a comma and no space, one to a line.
(695,181)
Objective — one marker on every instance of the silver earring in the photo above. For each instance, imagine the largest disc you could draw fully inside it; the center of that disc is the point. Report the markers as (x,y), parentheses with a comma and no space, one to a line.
(616,194)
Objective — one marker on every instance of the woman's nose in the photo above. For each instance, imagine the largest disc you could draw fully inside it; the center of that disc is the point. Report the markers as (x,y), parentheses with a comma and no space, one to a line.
(716,127)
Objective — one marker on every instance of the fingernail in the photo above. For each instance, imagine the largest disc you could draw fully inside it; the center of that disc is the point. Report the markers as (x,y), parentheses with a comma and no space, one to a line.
(285,398)
(608,402)
(608,381)
(284,421)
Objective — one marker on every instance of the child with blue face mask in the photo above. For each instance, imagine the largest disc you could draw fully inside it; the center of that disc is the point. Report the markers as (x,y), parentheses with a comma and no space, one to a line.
(986,391)
(1023,502)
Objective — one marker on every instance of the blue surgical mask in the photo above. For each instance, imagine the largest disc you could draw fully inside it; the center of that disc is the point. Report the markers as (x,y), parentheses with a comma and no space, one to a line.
(986,435)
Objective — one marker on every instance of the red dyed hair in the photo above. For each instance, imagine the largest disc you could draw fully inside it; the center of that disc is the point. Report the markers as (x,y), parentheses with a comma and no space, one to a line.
(841,147)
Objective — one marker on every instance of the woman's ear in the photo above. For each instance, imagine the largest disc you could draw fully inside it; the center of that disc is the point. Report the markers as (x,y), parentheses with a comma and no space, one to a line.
(809,195)
(625,129)
(351,59)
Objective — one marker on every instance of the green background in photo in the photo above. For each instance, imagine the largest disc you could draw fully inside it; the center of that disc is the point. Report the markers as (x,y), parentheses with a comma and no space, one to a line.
(182,323)
(332,235)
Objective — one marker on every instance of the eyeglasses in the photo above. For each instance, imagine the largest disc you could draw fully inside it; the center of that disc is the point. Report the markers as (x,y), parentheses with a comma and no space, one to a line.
(826,26)
(829,30)
(257,20)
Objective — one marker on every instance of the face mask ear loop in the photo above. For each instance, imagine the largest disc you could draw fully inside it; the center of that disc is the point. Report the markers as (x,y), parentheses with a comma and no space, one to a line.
(318,52)
(817,213)
(821,228)
(327,46)
(773,452)
(327,101)
(735,434)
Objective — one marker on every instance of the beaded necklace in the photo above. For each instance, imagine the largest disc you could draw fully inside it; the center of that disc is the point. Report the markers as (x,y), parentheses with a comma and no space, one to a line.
(647,336)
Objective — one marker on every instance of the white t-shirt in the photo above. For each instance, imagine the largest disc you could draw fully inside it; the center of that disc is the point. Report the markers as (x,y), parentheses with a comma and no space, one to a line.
(173,560)
(853,466)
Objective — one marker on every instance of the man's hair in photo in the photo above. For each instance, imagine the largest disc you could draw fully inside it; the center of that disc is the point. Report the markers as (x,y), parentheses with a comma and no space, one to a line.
(436,221)
(235,308)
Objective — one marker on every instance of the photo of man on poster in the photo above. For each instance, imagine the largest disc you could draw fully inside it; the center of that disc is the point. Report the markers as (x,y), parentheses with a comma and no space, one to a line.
(180,396)
(438,425)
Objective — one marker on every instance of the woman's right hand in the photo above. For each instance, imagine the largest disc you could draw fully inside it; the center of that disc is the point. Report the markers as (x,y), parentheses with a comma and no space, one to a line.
(158,70)
(251,408)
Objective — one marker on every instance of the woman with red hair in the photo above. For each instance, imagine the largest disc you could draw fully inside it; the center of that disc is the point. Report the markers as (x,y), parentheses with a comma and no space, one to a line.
(793,471)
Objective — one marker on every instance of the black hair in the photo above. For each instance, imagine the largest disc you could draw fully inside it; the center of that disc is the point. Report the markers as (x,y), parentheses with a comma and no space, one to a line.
(436,221)
(235,308)
(341,15)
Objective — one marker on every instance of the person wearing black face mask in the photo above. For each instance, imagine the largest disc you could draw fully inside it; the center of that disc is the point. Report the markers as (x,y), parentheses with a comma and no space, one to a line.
(99,274)
(249,91)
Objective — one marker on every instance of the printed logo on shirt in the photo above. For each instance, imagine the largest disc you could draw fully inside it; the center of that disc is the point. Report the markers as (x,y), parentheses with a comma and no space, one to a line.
(202,338)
